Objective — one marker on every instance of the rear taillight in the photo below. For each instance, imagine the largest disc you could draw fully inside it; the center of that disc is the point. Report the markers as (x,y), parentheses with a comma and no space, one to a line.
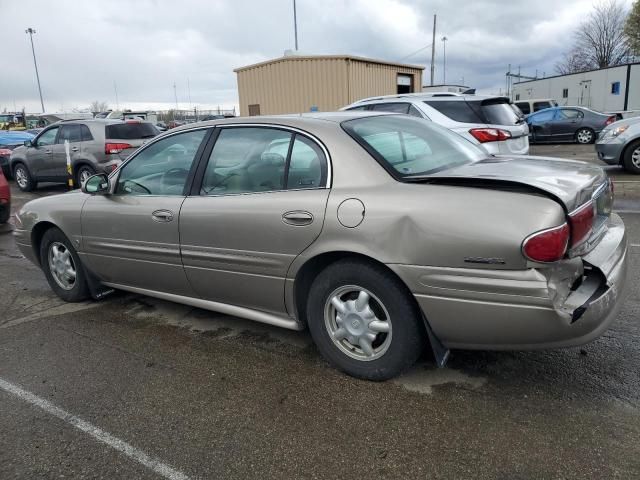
(610,120)
(5,152)
(547,245)
(115,147)
(484,135)
(581,221)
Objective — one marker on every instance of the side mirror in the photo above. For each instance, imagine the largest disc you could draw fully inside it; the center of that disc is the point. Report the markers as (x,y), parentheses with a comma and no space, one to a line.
(96,184)
(28,143)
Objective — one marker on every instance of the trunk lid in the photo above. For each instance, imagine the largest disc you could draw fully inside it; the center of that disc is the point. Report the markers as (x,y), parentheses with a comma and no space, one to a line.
(570,182)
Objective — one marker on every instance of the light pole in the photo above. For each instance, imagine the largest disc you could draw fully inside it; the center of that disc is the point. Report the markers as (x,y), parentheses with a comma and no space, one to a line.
(31,31)
(444,60)
(295,24)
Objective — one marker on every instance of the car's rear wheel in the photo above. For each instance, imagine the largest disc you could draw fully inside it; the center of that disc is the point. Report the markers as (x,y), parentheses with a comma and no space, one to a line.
(585,136)
(62,267)
(364,321)
(23,177)
(631,160)
(83,174)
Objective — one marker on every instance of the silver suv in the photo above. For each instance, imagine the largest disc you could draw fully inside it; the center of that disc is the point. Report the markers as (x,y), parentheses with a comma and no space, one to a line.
(488,120)
(95,146)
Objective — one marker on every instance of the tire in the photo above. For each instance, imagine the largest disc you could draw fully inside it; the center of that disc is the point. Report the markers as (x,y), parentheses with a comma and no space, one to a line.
(6,171)
(392,351)
(5,213)
(52,265)
(23,177)
(585,136)
(83,173)
(631,160)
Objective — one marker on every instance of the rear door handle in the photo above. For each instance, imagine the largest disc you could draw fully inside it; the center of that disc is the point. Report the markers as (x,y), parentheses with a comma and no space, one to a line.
(47,151)
(297,218)
(74,149)
(162,216)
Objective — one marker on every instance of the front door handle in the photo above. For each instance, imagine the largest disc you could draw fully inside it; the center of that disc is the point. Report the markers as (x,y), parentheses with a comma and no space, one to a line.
(297,218)
(47,151)
(162,216)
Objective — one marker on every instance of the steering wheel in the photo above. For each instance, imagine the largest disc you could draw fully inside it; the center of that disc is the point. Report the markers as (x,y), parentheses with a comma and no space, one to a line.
(142,187)
(174,172)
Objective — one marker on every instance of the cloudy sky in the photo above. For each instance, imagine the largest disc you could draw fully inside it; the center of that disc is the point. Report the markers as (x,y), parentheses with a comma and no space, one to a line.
(144,46)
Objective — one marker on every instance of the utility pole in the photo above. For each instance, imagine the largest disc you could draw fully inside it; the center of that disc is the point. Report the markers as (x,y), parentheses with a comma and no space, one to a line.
(175,96)
(433,50)
(444,60)
(295,24)
(115,89)
(31,31)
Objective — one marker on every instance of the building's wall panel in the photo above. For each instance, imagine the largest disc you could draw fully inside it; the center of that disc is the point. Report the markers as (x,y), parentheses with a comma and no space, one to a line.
(588,89)
(634,88)
(370,79)
(323,84)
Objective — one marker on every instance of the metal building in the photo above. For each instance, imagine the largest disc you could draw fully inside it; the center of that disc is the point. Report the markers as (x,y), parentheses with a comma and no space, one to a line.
(610,90)
(302,83)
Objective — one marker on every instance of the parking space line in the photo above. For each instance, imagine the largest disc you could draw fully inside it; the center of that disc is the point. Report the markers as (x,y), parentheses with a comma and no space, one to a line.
(130,451)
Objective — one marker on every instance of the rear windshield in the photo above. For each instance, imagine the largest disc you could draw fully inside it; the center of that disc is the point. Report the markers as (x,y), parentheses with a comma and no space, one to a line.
(498,112)
(411,147)
(493,112)
(131,131)
(457,110)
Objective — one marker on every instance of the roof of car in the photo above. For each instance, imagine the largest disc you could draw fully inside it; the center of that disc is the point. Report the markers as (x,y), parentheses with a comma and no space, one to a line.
(423,96)
(288,119)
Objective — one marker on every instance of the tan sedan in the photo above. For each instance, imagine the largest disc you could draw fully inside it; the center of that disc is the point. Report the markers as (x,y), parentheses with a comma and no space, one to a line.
(380,233)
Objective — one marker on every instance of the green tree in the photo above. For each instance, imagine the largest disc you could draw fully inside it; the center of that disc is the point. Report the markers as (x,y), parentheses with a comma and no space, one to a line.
(632,28)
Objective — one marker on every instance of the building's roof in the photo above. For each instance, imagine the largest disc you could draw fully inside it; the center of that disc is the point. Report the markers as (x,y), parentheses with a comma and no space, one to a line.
(577,73)
(294,57)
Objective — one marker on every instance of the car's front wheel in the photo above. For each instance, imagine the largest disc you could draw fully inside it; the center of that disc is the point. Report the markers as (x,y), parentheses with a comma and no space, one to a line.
(585,136)
(631,160)
(364,321)
(23,177)
(62,267)
(83,174)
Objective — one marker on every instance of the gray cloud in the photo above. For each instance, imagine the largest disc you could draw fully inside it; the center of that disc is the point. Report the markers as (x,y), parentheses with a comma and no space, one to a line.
(146,45)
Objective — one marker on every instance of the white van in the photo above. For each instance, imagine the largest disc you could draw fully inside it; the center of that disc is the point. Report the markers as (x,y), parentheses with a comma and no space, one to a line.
(534,104)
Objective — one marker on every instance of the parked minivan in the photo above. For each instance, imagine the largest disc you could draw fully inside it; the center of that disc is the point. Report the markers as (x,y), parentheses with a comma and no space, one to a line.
(95,146)
(487,120)
(535,104)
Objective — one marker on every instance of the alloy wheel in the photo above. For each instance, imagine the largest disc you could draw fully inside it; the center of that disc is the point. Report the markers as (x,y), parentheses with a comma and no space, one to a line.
(84,176)
(21,177)
(358,323)
(61,265)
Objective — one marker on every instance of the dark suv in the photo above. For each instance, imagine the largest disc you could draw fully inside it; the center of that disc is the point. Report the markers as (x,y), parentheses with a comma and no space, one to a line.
(94,146)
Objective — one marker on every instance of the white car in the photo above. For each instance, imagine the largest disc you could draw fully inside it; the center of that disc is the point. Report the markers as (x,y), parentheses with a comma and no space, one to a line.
(488,120)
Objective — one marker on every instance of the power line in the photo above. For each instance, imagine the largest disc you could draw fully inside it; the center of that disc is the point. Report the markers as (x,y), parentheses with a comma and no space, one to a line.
(417,51)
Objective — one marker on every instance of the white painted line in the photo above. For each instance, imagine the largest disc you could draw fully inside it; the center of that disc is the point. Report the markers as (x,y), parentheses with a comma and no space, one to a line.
(130,451)
(635,244)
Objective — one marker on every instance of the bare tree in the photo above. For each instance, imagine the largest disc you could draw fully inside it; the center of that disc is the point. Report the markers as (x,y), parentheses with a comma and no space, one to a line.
(97,106)
(600,40)
(573,61)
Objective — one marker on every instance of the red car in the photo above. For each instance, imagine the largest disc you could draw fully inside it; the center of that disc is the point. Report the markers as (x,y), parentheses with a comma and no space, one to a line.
(5,199)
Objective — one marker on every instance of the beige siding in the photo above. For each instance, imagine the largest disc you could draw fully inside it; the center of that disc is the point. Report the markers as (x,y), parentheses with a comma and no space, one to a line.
(295,85)
(370,79)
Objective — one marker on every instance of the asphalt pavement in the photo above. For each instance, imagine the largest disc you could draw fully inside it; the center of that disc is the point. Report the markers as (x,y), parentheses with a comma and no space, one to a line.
(134,387)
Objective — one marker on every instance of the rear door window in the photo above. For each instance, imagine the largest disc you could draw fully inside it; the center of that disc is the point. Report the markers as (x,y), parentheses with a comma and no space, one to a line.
(86,133)
(457,110)
(569,114)
(131,131)
(399,107)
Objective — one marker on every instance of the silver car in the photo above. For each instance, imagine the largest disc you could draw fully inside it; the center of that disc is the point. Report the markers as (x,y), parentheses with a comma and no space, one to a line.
(380,233)
(482,119)
(619,144)
(95,146)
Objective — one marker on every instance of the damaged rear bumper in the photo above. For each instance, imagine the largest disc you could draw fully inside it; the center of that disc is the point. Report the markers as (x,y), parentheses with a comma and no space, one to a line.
(569,305)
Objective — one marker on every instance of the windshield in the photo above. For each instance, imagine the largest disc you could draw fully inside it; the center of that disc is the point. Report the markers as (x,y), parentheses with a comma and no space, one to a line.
(408,146)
